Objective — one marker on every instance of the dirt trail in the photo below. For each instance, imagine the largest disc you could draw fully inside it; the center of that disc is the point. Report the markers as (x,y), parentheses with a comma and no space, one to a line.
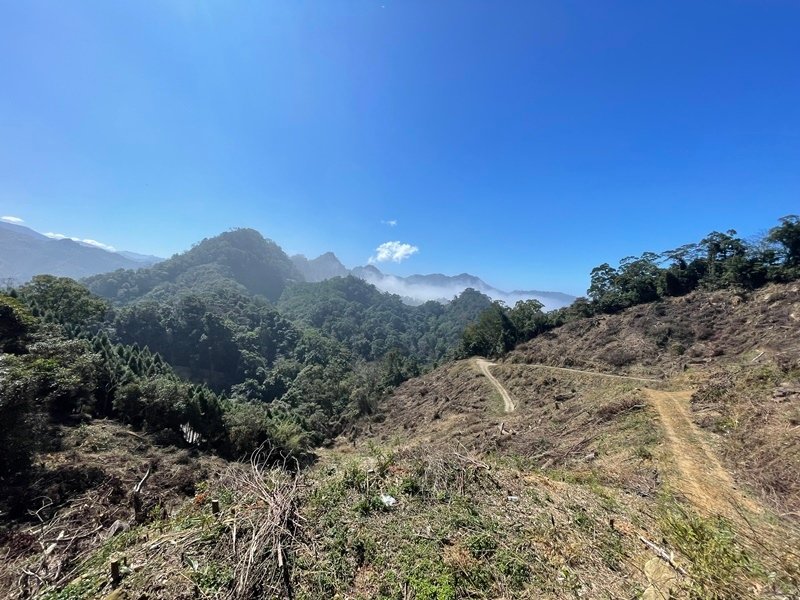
(700,476)
(484,365)
(568,370)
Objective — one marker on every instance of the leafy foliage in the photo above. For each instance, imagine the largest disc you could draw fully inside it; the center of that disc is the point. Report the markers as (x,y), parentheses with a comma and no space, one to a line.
(238,260)
(371,324)
(193,348)
(718,261)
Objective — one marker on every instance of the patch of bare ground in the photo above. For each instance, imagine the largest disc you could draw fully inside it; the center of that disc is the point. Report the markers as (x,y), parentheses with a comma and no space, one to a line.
(698,473)
(601,428)
(484,366)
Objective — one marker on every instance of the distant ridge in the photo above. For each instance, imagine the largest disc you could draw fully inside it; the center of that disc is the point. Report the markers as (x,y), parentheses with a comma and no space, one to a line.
(325,266)
(416,289)
(25,253)
(437,286)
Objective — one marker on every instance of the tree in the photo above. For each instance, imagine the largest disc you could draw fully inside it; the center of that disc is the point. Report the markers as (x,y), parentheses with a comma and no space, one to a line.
(787,237)
(68,301)
(492,335)
(528,318)
(16,325)
(21,416)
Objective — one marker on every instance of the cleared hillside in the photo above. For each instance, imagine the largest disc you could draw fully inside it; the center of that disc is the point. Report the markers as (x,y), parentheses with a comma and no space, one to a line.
(677,333)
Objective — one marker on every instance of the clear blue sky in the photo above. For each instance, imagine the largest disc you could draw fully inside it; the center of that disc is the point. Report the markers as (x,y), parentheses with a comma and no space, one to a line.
(524,142)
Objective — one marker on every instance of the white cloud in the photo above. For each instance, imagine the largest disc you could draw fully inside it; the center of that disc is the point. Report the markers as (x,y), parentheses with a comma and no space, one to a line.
(393,251)
(15,220)
(100,245)
(88,242)
(390,223)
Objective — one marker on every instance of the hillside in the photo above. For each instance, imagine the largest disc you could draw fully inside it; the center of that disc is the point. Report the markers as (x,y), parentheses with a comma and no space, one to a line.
(669,336)
(670,474)
(707,430)
(372,323)
(640,443)
(25,253)
(240,260)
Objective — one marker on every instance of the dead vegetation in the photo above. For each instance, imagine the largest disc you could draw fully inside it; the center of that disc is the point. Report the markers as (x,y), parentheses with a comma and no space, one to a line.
(670,335)
(81,498)
(755,411)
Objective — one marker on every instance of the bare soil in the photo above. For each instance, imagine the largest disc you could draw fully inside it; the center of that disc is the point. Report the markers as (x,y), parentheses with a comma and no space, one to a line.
(484,365)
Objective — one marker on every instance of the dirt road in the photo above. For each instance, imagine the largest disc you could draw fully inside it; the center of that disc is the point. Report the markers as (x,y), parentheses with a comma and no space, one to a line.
(567,370)
(699,475)
(484,365)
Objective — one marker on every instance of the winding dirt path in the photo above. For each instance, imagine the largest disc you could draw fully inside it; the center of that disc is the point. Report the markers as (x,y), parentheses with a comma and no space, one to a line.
(484,365)
(699,475)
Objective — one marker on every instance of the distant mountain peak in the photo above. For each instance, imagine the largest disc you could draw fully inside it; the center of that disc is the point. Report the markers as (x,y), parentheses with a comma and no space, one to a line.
(325,266)
(25,253)
(440,287)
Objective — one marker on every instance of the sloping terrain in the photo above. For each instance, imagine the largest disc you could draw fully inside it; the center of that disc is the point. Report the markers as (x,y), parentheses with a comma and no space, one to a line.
(668,336)
(648,481)
(739,354)
(25,253)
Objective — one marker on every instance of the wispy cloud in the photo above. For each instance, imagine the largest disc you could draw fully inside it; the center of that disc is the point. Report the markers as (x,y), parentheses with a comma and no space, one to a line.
(88,242)
(393,251)
(15,220)
(390,222)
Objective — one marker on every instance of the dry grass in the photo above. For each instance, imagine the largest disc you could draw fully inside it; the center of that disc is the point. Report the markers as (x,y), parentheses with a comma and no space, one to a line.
(754,410)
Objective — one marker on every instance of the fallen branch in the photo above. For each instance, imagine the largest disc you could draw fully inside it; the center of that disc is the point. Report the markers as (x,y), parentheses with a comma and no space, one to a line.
(664,555)
(136,499)
(473,461)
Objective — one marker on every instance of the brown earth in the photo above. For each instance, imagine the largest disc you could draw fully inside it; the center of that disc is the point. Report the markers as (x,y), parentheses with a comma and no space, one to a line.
(698,473)
(484,365)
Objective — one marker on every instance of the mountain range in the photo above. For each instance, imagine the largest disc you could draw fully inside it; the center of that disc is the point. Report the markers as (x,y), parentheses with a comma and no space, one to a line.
(417,289)
(25,253)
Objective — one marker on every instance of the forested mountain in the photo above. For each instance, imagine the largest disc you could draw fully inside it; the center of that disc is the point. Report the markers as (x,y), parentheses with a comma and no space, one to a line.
(233,315)
(372,323)
(240,261)
(192,355)
(25,253)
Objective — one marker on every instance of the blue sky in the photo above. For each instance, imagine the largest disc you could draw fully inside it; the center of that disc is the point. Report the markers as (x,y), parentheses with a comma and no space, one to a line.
(524,142)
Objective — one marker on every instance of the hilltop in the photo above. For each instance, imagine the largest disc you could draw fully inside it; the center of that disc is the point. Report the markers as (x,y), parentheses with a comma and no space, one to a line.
(221,260)
(241,260)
